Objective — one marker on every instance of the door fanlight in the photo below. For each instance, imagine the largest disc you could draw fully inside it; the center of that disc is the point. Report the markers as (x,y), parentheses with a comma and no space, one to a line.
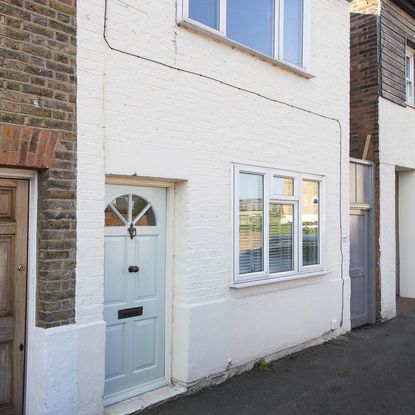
(132,231)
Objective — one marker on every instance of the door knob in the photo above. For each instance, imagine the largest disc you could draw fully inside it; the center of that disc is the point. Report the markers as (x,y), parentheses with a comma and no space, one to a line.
(133,268)
(21,267)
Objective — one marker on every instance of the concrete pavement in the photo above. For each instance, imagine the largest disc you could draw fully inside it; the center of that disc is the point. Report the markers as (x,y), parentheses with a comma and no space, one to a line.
(370,371)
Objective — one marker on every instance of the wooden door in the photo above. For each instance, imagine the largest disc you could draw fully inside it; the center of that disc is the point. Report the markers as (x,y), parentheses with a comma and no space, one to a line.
(13,265)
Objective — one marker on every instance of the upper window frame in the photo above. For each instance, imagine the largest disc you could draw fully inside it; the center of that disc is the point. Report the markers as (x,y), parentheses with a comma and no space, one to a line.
(410,53)
(300,270)
(278,55)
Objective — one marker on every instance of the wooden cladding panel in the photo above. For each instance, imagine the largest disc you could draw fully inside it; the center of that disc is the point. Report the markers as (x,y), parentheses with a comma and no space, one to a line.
(397,30)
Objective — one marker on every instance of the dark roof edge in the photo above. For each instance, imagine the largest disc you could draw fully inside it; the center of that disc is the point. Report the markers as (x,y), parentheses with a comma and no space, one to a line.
(406,5)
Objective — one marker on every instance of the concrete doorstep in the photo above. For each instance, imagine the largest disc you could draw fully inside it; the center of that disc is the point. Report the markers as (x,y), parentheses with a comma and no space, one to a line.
(368,371)
(146,400)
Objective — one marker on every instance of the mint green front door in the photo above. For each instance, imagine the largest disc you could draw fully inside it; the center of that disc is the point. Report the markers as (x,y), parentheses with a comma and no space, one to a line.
(134,306)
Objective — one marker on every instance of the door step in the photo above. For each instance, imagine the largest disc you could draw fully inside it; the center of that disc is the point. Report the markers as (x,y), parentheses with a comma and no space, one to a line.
(145,401)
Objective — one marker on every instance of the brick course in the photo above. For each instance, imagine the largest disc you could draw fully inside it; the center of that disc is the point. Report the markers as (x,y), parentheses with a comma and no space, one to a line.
(364,77)
(38,130)
(27,147)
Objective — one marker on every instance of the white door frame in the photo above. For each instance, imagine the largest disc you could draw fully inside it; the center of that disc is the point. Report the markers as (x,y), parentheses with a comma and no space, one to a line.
(32,177)
(169,277)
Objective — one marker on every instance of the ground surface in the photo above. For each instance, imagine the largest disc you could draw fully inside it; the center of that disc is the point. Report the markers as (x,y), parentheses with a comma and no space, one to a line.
(404,305)
(370,371)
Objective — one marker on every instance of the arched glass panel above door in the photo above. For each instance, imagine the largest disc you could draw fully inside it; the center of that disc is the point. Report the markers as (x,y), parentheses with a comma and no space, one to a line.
(127,209)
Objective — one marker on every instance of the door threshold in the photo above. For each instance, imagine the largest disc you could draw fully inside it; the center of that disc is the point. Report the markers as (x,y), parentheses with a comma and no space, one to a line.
(145,400)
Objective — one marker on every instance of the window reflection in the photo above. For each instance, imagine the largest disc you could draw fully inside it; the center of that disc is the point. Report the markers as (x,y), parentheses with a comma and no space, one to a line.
(251,208)
(310,222)
(281,236)
(251,23)
(283,186)
(205,11)
(111,218)
(293,31)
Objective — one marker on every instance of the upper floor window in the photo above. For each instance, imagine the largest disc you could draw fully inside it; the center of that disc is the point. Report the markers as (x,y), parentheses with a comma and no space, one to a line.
(274,28)
(409,76)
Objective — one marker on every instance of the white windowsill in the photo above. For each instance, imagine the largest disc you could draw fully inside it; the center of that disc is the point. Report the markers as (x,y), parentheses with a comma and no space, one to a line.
(194,25)
(275,280)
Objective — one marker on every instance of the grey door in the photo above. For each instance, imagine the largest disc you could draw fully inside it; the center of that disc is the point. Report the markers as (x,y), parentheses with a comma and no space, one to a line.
(360,267)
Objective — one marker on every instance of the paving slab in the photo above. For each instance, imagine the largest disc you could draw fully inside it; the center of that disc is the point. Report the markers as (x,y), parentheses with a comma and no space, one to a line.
(369,371)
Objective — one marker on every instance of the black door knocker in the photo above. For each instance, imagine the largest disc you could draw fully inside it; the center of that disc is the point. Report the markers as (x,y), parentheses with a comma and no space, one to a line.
(132,231)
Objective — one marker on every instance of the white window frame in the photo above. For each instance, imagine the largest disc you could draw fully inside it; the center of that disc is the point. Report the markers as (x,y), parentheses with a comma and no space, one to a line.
(278,52)
(320,181)
(410,80)
(269,198)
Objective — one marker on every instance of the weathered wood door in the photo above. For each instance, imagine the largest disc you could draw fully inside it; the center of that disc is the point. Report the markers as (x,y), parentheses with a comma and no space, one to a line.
(13,265)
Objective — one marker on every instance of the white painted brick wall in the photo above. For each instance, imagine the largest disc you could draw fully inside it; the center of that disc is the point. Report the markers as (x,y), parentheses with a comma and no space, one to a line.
(396,149)
(91,180)
(141,118)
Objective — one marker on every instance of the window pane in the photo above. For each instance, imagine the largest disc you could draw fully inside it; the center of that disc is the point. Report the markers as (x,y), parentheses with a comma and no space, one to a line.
(251,212)
(138,204)
(283,186)
(293,31)
(148,219)
(310,222)
(408,67)
(111,218)
(409,70)
(205,11)
(121,204)
(409,90)
(251,23)
(281,234)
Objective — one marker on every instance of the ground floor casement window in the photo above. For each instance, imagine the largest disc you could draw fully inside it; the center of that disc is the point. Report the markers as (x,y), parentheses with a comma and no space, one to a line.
(278,223)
